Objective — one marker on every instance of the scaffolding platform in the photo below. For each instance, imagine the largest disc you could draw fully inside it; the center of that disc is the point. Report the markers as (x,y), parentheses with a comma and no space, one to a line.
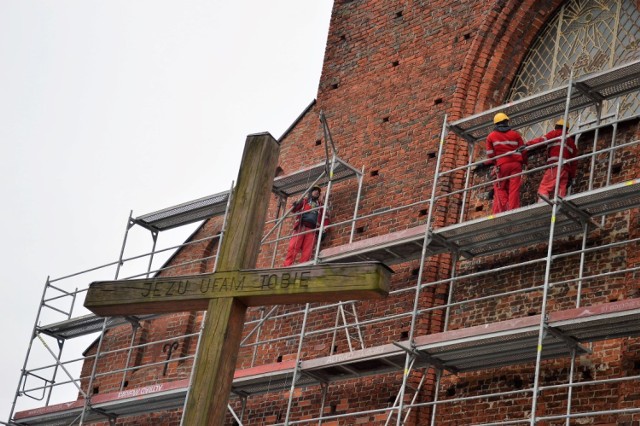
(87,324)
(475,348)
(589,90)
(267,378)
(185,213)
(515,341)
(299,182)
(130,402)
(395,247)
(495,233)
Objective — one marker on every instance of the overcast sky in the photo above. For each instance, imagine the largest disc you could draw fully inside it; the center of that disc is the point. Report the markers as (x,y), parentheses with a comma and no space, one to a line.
(112,106)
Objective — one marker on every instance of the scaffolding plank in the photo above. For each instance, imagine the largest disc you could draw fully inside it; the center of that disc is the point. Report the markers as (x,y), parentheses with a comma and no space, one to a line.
(264,378)
(84,325)
(613,82)
(185,213)
(610,199)
(492,234)
(607,84)
(395,247)
(364,362)
(599,322)
(157,397)
(517,346)
(530,224)
(523,112)
(515,341)
(504,231)
(299,182)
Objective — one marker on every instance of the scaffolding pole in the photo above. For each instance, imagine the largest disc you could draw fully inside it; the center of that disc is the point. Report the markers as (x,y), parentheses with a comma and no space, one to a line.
(547,272)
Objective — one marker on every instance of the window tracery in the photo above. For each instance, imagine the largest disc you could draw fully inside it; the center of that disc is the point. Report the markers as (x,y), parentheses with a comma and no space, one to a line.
(587,36)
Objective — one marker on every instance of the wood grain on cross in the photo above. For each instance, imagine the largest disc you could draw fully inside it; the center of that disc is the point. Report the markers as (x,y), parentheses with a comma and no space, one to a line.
(226,293)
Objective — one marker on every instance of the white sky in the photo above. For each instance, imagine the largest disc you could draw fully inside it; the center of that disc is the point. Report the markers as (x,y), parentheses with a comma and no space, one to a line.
(112,106)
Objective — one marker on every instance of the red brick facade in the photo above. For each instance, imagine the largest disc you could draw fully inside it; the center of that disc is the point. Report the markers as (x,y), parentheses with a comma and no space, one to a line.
(392,70)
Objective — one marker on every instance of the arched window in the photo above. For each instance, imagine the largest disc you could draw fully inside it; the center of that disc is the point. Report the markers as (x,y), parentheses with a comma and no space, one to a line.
(586,36)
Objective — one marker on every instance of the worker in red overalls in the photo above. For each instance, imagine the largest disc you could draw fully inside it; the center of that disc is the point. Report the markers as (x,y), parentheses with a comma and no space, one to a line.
(503,140)
(306,226)
(568,172)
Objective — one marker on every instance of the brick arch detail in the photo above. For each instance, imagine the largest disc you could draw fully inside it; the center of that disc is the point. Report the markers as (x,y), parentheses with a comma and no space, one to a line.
(503,39)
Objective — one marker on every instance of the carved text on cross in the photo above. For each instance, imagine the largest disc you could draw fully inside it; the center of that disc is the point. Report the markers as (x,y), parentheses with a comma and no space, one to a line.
(301,284)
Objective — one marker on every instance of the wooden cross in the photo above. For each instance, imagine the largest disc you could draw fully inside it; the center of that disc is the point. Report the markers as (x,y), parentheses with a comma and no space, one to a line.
(226,293)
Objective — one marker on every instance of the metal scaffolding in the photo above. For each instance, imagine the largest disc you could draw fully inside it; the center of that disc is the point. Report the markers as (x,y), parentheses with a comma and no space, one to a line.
(529,340)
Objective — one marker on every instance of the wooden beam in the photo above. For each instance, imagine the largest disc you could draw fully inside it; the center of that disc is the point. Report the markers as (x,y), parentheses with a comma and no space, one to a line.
(212,377)
(320,283)
(220,339)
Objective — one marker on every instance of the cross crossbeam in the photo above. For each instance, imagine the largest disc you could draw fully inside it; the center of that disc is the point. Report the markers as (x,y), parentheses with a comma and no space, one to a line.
(319,283)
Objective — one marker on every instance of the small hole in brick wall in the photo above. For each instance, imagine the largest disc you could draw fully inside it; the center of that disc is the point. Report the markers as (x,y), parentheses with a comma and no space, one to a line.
(532,313)
(422,212)
(415,272)
(334,407)
(467,36)
(431,154)
(235,423)
(451,390)
(586,374)
(404,335)
(391,399)
(343,37)
(438,101)
(479,208)
(374,173)
(334,86)
(399,14)
(125,384)
(335,349)
(279,359)
(636,365)
(318,142)
(517,383)
(96,390)
(279,417)
(360,229)
(395,63)
(279,171)
(617,168)
(385,119)
(613,299)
